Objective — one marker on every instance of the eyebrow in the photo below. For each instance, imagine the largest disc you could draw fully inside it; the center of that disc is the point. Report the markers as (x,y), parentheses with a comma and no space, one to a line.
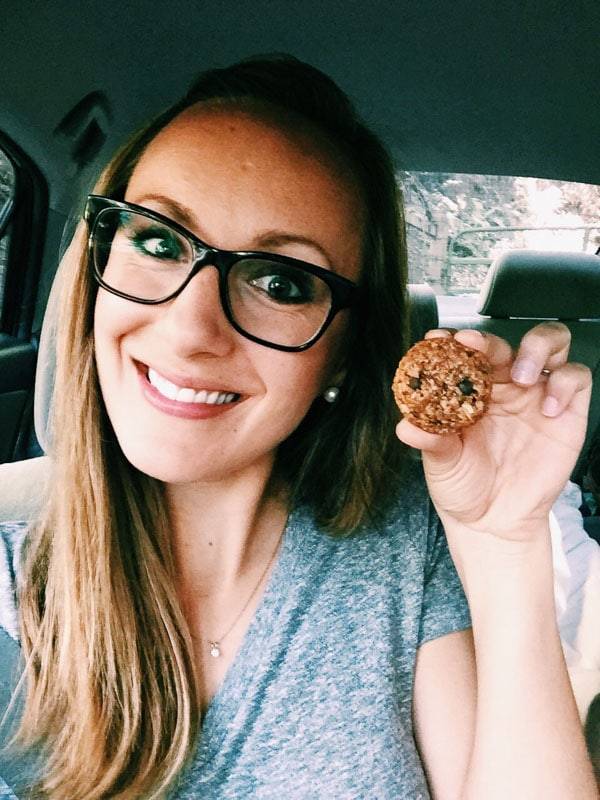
(266,239)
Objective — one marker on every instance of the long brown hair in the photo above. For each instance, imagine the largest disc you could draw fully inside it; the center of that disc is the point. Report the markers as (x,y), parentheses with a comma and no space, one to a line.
(110,691)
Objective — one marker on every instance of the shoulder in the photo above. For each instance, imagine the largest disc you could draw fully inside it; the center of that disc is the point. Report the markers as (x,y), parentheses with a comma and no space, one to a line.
(424,562)
(398,532)
(400,537)
(12,536)
(410,518)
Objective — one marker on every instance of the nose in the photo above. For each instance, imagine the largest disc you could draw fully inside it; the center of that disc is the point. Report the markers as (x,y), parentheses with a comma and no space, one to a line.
(194,321)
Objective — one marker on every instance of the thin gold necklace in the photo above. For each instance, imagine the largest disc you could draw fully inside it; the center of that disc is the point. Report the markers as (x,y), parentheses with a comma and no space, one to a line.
(215,644)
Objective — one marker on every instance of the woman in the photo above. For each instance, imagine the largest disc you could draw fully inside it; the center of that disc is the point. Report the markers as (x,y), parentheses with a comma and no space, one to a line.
(241,589)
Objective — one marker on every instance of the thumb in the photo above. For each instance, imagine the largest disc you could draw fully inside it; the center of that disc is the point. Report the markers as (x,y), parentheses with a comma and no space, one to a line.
(440,451)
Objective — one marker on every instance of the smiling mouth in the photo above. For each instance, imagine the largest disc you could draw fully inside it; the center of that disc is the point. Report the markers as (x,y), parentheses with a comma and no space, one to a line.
(183,394)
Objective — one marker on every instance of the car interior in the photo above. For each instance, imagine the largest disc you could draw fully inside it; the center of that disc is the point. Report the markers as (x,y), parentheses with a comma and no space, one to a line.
(513,92)
(452,88)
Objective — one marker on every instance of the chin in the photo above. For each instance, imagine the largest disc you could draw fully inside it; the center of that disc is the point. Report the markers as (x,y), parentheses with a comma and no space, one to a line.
(173,464)
(168,468)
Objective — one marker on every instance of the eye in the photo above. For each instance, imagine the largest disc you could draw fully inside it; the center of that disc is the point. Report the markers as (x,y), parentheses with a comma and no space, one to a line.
(283,286)
(466,387)
(158,242)
(278,287)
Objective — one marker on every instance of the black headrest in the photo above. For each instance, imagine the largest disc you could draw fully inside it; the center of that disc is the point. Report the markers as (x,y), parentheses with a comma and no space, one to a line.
(423,310)
(542,285)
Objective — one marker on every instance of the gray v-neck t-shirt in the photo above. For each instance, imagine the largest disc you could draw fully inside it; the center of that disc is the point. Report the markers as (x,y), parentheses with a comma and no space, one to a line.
(317,702)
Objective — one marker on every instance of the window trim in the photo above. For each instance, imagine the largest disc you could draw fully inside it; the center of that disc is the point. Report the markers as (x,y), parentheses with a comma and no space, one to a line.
(29,213)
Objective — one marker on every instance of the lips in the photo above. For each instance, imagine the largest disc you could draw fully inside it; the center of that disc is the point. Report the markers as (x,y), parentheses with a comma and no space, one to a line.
(184,396)
(187,394)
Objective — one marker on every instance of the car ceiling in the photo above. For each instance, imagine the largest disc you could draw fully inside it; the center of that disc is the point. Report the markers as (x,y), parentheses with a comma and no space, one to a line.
(488,87)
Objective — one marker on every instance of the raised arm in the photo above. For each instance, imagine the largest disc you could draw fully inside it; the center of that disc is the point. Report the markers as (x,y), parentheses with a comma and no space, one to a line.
(510,722)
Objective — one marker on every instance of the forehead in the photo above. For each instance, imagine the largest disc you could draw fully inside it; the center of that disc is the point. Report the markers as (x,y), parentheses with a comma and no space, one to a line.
(237,132)
(241,174)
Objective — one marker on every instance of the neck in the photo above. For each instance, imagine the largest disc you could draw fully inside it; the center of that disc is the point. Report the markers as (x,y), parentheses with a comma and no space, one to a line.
(223,530)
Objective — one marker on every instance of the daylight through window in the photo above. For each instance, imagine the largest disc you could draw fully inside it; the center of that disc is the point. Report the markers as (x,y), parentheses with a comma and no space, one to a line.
(458,224)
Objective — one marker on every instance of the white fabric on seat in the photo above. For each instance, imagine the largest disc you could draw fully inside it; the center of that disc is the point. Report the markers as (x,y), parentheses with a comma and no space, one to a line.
(576,559)
(22,488)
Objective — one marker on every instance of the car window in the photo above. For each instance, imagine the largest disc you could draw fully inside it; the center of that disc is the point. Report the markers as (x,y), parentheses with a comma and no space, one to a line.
(7,193)
(457,224)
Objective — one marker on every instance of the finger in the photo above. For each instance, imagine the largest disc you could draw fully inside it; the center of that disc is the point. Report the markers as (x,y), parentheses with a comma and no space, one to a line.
(438,333)
(563,385)
(546,346)
(443,447)
(497,350)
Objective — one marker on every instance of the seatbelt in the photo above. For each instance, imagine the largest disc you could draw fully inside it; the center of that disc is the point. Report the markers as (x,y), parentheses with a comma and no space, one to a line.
(17,769)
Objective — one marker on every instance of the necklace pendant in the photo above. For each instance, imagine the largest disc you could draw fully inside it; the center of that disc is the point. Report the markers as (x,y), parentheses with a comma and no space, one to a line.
(215,649)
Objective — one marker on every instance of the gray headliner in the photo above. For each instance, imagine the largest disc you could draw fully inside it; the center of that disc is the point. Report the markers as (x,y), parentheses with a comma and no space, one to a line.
(492,87)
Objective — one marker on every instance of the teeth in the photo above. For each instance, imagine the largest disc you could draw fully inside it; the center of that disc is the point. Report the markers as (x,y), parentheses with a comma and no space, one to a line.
(185,395)
(164,386)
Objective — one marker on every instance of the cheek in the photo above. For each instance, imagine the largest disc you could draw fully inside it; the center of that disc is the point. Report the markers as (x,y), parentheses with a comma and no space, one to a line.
(294,380)
(107,322)
(113,319)
(105,335)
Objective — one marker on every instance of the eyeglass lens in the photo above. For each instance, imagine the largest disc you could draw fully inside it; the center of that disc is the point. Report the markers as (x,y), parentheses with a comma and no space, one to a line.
(277,302)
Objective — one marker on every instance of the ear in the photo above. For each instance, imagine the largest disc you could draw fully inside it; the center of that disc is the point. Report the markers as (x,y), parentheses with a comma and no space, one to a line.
(335,377)
(337,369)
(338,377)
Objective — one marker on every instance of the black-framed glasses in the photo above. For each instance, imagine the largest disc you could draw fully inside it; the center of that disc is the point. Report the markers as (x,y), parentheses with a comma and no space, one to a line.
(272,299)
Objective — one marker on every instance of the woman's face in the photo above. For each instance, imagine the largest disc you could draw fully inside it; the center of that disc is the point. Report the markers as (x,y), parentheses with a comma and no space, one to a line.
(238,183)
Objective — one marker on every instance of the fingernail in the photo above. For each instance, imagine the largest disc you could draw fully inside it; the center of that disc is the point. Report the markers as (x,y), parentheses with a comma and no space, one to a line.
(524,370)
(551,406)
(470,333)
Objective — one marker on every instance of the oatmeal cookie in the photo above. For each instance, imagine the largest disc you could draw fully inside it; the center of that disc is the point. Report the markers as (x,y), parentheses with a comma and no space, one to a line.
(442,386)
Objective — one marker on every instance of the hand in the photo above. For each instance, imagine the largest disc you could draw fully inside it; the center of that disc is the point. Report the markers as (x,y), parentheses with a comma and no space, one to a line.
(502,475)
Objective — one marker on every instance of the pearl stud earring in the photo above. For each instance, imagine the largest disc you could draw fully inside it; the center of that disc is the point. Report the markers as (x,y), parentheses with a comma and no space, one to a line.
(331,394)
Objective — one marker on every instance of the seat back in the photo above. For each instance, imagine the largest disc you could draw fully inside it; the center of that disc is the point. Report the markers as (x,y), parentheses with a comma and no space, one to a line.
(422,309)
(525,287)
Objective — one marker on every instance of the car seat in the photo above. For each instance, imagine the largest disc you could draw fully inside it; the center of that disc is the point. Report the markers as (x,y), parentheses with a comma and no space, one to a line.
(525,287)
